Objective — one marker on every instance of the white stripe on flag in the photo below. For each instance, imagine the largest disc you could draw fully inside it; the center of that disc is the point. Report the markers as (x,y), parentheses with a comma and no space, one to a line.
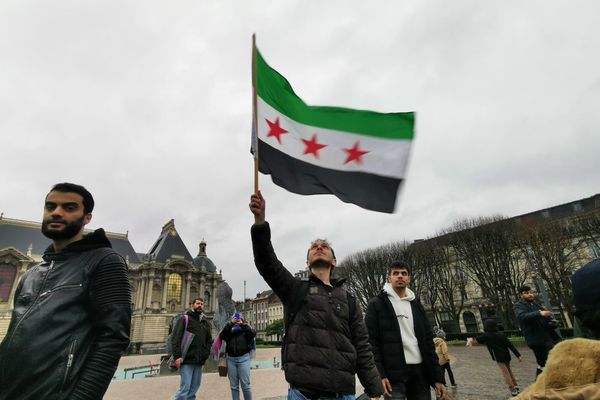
(386,157)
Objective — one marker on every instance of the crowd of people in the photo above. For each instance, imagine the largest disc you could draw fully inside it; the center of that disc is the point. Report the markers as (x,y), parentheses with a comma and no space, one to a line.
(72,314)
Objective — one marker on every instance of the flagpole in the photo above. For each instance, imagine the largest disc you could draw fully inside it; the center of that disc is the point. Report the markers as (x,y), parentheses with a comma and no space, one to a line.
(254,111)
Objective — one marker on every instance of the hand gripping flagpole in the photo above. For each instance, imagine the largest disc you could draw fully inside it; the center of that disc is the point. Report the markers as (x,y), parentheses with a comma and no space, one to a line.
(254,113)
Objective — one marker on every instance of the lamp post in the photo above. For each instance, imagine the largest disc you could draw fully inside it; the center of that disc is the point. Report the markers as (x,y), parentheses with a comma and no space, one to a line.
(538,279)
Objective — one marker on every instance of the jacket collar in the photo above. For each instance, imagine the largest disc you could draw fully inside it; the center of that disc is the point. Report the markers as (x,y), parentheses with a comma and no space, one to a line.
(94,240)
(334,281)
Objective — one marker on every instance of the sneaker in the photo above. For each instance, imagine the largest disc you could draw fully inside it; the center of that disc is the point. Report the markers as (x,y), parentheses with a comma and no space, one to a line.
(515,391)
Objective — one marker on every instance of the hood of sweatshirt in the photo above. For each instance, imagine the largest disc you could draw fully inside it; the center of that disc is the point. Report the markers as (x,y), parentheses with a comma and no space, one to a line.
(93,240)
(410,295)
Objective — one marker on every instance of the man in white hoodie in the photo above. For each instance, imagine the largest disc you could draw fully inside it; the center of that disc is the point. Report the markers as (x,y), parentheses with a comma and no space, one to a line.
(402,340)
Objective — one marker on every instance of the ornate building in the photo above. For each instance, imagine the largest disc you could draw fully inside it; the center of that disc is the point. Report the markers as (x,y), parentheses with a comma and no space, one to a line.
(163,281)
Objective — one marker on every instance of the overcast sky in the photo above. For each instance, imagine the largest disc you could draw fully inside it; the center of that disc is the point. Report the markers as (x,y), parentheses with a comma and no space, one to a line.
(148,105)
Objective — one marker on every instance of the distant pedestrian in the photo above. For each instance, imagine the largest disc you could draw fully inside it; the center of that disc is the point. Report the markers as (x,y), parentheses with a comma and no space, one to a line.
(239,339)
(573,368)
(538,326)
(441,348)
(498,346)
(191,343)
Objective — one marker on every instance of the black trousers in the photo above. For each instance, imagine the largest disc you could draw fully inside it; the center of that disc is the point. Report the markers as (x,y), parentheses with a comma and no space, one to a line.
(413,387)
(541,355)
(447,368)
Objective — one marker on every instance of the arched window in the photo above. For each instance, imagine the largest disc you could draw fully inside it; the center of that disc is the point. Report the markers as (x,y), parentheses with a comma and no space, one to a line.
(174,287)
(7,278)
(470,321)
(156,293)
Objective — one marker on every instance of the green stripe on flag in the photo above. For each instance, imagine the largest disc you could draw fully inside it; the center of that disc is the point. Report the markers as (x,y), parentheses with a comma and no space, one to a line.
(275,90)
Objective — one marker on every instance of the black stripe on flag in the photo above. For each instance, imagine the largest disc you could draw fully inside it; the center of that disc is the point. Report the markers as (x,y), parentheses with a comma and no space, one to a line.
(370,191)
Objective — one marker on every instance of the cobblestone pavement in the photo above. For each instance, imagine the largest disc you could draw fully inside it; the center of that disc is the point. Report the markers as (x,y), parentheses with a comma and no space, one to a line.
(477,378)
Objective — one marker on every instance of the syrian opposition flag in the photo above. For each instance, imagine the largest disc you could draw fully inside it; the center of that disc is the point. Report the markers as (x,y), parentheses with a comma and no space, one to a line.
(359,156)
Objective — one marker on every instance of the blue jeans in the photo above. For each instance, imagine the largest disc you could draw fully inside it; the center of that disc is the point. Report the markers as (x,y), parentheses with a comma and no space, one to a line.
(191,375)
(294,394)
(238,370)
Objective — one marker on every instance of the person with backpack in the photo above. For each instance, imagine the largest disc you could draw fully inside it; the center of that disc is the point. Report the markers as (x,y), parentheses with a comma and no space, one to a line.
(498,346)
(402,340)
(239,342)
(325,342)
(172,323)
(191,341)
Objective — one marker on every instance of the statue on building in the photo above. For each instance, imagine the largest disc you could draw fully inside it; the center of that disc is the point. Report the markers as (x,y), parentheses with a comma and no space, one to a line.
(226,306)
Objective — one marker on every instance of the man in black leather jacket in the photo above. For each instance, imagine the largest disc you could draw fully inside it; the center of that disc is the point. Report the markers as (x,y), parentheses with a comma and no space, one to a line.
(72,313)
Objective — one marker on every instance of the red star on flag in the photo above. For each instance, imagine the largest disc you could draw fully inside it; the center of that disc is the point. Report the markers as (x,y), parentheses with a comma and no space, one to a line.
(355,153)
(275,129)
(312,146)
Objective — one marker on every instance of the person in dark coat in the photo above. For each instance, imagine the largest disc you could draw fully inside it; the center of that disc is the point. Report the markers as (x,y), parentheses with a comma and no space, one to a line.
(190,357)
(402,340)
(498,346)
(326,344)
(72,312)
(239,339)
(573,368)
(538,326)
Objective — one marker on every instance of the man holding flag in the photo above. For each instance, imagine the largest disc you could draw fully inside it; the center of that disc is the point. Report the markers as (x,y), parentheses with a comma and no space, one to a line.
(326,341)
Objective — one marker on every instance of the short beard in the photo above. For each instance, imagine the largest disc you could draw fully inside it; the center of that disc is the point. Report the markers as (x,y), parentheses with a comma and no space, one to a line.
(321,264)
(71,229)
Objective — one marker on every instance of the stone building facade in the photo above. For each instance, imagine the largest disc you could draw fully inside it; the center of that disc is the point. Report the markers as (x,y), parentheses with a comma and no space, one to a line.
(163,281)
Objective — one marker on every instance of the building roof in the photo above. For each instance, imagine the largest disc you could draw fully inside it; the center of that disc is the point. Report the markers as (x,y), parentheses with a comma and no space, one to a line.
(168,245)
(264,295)
(202,260)
(27,237)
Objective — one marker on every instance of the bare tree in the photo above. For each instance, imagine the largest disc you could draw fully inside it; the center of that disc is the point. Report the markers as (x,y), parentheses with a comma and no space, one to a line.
(587,227)
(421,257)
(440,283)
(367,270)
(488,250)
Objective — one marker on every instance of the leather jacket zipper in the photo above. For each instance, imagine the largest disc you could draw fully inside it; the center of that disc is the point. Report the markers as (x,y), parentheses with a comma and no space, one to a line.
(12,334)
(30,305)
(70,358)
(56,289)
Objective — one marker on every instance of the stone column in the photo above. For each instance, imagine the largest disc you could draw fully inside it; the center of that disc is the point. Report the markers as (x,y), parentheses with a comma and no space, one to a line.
(202,285)
(19,273)
(165,287)
(186,296)
(140,295)
(213,295)
(149,284)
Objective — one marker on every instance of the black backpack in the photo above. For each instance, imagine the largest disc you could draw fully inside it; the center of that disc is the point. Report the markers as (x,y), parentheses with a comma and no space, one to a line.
(172,324)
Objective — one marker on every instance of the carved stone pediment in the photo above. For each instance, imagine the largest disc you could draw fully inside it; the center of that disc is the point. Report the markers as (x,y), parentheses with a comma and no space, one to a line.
(12,256)
(179,266)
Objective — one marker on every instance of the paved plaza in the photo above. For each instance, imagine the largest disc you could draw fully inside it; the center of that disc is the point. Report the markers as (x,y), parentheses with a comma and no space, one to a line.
(477,376)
